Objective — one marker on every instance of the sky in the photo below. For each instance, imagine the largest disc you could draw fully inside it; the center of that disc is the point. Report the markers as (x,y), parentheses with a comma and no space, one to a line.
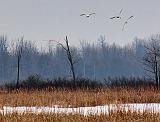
(39,20)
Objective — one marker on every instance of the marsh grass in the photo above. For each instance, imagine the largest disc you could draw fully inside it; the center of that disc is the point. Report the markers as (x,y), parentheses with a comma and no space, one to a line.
(78,97)
(118,116)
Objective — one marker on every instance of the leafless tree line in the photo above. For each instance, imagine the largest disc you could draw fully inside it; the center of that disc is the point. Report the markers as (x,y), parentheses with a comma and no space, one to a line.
(97,58)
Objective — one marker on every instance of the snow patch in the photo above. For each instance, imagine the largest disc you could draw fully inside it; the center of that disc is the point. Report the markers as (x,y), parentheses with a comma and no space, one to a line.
(95,110)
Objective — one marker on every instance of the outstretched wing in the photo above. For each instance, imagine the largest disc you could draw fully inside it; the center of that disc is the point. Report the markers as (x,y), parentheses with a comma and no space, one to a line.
(113,17)
(120,11)
(130,18)
(82,14)
(124,25)
(91,14)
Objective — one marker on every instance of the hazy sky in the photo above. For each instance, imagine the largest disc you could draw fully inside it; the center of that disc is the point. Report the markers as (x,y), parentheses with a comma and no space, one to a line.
(53,19)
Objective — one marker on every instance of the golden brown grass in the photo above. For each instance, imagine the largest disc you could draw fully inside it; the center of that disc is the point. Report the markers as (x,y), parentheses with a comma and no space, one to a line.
(119,116)
(79,97)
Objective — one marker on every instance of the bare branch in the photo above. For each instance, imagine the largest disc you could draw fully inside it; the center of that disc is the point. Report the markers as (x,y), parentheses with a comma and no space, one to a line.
(69,57)
(58,43)
(149,70)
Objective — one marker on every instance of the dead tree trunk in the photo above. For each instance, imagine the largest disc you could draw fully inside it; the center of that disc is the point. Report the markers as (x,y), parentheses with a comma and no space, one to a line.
(156,72)
(69,57)
(18,65)
(19,55)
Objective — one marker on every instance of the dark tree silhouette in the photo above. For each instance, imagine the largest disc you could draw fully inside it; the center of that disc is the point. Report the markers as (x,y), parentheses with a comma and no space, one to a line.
(19,56)
(151,59)
(69,57)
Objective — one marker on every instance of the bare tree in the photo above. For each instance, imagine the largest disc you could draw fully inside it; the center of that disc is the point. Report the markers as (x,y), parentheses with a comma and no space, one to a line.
(4,56)
(19,56)
(69,57)
(151,59)
(84,54)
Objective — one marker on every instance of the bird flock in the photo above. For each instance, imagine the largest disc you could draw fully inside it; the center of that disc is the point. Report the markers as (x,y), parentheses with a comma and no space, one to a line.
(118,16)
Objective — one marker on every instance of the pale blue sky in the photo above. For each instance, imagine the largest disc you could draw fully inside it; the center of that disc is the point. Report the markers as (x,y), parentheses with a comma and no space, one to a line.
(53,19)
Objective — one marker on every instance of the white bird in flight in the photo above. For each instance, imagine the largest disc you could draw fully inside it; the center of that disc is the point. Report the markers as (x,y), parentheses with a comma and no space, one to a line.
(87,15)
(118,16)
(126,22)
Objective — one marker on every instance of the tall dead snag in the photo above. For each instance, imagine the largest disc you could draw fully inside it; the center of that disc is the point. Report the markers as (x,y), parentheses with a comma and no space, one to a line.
(19,56)
(69,57)
(151,60)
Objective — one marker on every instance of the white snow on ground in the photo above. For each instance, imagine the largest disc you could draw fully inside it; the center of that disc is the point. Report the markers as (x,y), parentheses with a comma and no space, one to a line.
(151,107)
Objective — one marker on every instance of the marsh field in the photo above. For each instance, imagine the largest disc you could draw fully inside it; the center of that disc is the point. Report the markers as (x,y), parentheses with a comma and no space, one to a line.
(67,98)
(79,97)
